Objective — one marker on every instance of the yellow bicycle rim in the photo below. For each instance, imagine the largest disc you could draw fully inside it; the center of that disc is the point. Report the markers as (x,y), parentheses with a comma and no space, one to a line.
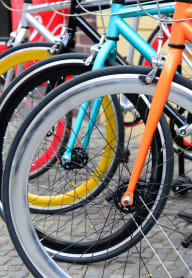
(88,186)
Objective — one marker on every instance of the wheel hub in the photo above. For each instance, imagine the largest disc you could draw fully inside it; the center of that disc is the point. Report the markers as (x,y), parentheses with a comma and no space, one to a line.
(79,159)
(117,195)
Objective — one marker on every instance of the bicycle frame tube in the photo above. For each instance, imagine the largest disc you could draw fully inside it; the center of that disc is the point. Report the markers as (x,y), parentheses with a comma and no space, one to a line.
(28,19)
(132,11)
(180,32)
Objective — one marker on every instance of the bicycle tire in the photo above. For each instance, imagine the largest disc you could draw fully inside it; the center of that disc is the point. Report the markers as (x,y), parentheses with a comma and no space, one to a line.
(117,237)
(12,99)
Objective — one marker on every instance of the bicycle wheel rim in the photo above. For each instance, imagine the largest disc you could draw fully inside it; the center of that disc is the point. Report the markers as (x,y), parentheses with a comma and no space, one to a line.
(105,162)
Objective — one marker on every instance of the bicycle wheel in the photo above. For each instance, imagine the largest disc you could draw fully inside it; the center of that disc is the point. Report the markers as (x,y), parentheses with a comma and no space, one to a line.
(14,103)
(100,228)
(182,144)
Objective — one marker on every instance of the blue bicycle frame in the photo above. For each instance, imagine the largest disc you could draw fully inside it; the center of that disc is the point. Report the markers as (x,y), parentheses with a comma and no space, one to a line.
(117,26)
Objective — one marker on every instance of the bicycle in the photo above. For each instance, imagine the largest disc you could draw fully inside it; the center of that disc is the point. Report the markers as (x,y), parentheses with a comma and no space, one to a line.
(105,243)
(36,170)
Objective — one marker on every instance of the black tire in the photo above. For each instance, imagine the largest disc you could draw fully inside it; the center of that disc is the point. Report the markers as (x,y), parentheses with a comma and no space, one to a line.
(53,71)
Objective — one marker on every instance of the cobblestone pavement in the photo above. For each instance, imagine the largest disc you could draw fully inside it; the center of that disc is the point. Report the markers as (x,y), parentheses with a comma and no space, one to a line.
(12,266)
(154,256)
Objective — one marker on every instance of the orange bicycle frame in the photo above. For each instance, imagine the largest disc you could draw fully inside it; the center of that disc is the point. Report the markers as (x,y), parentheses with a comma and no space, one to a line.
(181,30)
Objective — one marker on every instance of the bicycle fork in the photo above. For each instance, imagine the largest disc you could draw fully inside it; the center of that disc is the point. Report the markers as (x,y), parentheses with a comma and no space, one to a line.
(173,60)
(66,157)
(156,109)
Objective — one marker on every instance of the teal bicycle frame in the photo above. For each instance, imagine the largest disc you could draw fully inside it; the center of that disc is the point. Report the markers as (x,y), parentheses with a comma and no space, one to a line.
(117,26)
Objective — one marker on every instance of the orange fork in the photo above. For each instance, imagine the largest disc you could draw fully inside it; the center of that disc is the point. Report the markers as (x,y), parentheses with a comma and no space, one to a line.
(180,31)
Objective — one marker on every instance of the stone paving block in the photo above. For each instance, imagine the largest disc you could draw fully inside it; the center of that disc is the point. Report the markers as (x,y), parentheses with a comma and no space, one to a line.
(11,266)
(4,260)
(16,261)
(3,274)
(3,268)
(3,240)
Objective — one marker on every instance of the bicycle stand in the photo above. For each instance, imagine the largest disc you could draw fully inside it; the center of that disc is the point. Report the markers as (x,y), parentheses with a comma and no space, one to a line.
(182,183)
(188,217)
